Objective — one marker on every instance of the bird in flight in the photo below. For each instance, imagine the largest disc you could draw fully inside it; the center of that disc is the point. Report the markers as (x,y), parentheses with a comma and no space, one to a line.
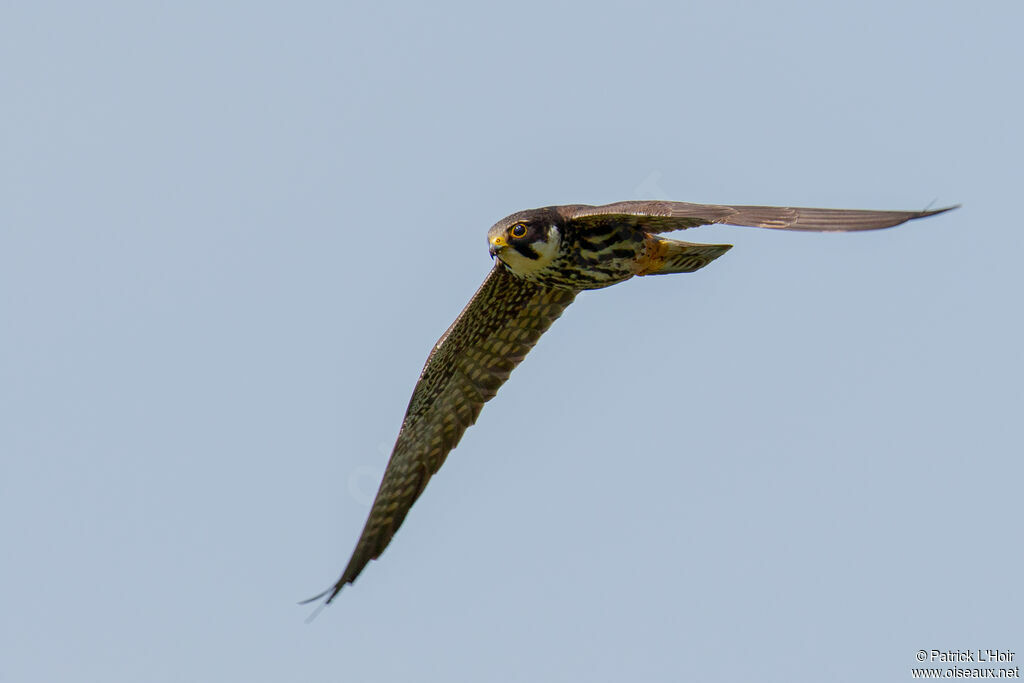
(544,258)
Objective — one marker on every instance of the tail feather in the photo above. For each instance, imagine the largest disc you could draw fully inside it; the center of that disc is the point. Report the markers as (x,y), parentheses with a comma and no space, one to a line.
(666,256)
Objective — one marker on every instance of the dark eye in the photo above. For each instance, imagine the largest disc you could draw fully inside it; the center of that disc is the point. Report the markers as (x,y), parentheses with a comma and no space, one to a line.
(518,230)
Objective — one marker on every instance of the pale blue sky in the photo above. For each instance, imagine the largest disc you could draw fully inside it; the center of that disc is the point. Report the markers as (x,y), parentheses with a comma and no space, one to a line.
(230,234)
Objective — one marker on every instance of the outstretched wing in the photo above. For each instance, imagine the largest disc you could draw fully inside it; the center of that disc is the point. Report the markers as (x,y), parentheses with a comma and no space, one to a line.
(473,358)
(658,216)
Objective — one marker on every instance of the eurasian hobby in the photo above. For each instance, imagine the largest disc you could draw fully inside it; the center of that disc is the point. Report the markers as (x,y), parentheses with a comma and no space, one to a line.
(545,257)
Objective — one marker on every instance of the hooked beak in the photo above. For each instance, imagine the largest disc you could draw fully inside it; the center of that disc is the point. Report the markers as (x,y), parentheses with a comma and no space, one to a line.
(495,245)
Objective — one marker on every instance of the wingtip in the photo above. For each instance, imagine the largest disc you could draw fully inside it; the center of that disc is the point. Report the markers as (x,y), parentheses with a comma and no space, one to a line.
(331,593)
(313,599)
(935,212)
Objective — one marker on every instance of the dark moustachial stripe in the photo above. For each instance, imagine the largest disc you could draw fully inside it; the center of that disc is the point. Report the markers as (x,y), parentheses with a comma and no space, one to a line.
(526,250)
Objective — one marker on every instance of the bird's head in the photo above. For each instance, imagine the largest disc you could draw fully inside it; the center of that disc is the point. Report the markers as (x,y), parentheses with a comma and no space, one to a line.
(528,241)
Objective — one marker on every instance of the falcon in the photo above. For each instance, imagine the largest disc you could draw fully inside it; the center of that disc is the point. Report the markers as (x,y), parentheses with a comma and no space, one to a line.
(543,259)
